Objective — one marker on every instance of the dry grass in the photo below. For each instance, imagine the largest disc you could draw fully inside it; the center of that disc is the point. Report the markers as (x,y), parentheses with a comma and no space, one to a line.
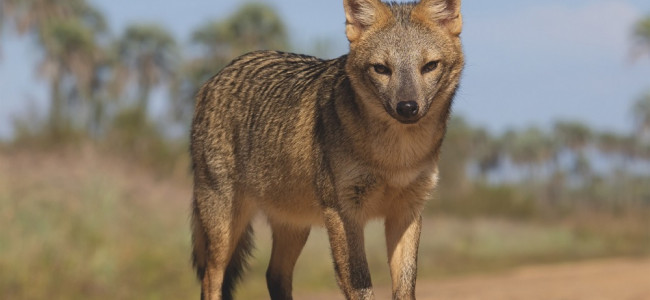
(84,224)
(79,225)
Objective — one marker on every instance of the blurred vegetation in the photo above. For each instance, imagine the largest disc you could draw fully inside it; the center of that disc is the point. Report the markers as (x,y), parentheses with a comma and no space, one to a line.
(641,35)
(95,190)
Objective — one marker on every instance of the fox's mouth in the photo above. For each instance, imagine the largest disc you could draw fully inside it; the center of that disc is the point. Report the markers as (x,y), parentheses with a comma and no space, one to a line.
(408,122)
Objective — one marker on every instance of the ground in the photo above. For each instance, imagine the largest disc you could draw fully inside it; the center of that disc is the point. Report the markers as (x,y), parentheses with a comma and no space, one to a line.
(614,279)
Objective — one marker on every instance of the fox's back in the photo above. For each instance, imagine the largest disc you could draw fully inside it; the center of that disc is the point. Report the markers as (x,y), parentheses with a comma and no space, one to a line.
(255,85)
(259,115)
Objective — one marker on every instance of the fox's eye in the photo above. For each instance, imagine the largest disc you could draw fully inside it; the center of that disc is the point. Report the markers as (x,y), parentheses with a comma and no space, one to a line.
(430,66)
(381,69)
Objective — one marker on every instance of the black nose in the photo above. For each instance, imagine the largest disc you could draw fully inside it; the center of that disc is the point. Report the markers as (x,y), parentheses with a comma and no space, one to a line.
(408,109)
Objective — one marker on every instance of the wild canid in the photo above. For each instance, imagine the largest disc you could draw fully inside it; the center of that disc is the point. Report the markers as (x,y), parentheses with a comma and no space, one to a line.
(335,142)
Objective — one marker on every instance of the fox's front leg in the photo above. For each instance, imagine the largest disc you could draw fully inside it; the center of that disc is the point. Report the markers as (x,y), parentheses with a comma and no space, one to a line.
(346,239)
(402,241)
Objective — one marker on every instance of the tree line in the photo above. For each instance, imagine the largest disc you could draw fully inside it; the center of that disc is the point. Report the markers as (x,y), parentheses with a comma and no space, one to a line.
(533,171)
(101,86)
(96,76)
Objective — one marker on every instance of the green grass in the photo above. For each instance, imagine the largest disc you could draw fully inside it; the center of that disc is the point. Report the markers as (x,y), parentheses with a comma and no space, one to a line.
(85,225)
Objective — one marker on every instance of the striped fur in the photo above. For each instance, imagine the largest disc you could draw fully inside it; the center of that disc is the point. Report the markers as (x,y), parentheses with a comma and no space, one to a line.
(310,142)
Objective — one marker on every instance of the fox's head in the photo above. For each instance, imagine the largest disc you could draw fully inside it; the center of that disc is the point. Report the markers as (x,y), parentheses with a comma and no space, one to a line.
(405,59)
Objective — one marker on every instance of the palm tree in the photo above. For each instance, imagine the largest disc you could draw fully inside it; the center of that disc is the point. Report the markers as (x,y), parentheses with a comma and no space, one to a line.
(530,148)
(641,36)
(641,108)
(7,8)
(613,145)
(149,56)
(255,26)
(641,111)
(574,137)
(487,152)
(33,16)
(67,31)
(70,55)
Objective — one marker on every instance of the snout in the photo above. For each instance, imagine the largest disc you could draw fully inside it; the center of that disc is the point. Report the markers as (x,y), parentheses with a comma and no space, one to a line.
(408,109)
(407,112)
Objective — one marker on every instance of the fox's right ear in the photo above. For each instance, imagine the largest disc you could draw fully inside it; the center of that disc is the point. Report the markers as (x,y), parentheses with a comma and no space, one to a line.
(361,14)
(444,12)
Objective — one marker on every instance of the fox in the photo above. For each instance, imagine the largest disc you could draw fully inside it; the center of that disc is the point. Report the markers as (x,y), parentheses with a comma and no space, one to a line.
(335,143)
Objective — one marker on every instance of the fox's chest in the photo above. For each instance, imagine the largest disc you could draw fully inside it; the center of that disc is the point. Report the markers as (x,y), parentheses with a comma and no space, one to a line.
(402,154)
(378,193)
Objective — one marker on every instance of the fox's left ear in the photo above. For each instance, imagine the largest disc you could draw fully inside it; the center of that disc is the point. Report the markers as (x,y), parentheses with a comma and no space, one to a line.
(443,12)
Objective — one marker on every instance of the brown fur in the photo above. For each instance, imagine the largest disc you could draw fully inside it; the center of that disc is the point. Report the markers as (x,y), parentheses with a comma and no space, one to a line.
(323,142)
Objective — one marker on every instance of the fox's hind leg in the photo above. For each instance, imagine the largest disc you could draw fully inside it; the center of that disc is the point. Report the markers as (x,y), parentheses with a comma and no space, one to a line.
(288,242)
(221,250)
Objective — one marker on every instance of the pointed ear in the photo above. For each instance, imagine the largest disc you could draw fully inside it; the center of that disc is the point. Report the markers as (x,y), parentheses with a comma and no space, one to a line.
(362,14)
(443,12)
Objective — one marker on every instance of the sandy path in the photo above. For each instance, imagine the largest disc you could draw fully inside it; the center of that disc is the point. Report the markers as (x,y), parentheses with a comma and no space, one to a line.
(617,279)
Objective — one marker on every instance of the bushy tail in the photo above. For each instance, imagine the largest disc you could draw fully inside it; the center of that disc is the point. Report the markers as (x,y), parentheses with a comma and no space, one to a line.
(199,245)
(237,264)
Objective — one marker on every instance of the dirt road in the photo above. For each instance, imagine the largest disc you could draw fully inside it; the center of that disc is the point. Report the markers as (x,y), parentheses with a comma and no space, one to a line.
(617,279)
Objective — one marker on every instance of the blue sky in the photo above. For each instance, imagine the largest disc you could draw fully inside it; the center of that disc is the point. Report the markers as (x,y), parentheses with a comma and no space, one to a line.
(529,62)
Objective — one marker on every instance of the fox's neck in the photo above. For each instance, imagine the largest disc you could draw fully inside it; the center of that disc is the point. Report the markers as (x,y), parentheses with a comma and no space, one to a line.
(384,141)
